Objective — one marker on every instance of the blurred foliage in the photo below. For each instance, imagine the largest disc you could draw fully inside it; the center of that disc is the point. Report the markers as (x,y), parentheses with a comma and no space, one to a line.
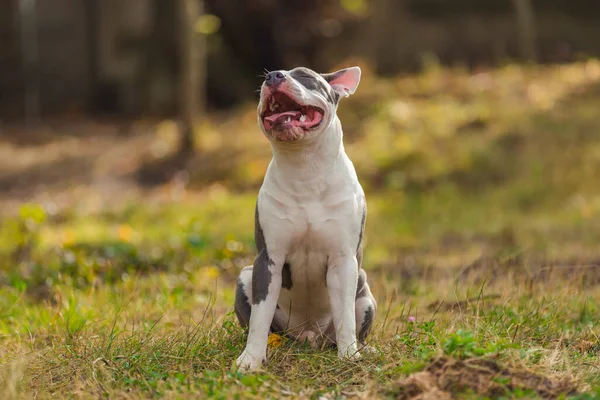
(208,24)
(38,255)
(455,165)
(358,7)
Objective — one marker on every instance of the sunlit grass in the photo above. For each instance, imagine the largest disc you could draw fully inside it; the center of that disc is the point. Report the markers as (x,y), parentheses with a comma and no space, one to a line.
(173,335)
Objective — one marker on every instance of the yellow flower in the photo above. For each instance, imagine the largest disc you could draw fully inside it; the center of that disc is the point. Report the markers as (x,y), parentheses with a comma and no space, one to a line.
(125,233)
(211,272)
(68,238)
(274,341)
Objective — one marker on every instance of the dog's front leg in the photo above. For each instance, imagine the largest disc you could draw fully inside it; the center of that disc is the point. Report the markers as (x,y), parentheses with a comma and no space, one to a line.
(266,285)
(342,278)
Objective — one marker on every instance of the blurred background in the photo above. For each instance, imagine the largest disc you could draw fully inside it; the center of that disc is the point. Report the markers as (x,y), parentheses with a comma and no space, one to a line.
(127,59)
(474,129)
(131,159)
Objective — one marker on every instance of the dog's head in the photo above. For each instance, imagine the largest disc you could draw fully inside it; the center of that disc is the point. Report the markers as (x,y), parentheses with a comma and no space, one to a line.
(300,104)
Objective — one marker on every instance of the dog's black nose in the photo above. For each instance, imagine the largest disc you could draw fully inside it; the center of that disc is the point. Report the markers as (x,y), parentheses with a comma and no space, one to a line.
(275,78)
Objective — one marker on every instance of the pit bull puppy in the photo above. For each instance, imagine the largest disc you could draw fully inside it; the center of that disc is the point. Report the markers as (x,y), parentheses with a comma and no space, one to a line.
(307,280)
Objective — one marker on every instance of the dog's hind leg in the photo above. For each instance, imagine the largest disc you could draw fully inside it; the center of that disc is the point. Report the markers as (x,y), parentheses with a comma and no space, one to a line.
(243,297)
(365,307)
(243,303)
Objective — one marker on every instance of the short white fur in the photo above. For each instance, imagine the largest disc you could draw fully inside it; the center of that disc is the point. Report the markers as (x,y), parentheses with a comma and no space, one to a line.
(310,208)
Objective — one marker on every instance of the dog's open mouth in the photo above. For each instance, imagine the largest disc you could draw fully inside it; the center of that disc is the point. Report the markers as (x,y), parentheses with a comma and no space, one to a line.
(282,111)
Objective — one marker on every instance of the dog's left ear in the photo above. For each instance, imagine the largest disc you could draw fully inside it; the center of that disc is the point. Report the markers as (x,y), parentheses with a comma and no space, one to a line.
(345,81)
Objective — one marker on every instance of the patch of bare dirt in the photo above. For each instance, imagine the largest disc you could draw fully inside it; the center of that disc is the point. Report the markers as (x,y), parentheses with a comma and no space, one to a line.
(446,378)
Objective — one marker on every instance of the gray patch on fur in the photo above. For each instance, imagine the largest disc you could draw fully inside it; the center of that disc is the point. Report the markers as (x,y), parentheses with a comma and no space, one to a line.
(277,328)
(362,227)
(242,305)
(365,328)
(286,276)
(359,256)
(261,277)
(311,81)
(261,273)
(359,246)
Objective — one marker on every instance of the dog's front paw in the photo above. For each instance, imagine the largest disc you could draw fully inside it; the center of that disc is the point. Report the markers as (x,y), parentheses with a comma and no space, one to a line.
(349,353)
(246,362)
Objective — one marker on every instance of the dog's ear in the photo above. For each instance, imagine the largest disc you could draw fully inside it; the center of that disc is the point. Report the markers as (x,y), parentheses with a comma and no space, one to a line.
(345,81)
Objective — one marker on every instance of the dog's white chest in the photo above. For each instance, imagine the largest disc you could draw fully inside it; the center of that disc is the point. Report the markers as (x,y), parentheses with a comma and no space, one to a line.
(316,227)
(305,299)
(311,229)
(310,224)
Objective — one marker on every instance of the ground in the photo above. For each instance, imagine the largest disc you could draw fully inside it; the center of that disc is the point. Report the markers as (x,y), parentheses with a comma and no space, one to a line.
(118,269)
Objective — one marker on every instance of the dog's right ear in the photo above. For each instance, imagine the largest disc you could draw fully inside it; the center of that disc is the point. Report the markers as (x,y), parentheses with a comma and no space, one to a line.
(345,81)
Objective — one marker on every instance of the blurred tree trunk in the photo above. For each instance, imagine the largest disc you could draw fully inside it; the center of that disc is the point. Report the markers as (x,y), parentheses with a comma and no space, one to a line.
(161,58)
(92,12)
(390,23)
(30,57)
(248,28)
(525,18)
(192,73)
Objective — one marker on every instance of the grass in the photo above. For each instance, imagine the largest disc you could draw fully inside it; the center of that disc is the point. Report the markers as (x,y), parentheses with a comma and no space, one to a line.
(481,249)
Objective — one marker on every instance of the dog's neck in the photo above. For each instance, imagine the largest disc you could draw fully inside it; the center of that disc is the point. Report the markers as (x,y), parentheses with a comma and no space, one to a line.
(312,159)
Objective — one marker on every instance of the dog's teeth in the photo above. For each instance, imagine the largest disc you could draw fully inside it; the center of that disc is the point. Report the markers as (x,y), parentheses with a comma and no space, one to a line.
(271,107)
(288,119)
(303,118)
(276,106)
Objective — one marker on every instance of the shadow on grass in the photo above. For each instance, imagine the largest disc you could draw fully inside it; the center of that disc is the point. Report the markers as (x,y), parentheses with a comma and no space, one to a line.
(60,173)
(198,168)
(54,129)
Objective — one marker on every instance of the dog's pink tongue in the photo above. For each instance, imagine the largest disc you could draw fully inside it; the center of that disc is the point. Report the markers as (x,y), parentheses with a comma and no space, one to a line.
(276,117)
